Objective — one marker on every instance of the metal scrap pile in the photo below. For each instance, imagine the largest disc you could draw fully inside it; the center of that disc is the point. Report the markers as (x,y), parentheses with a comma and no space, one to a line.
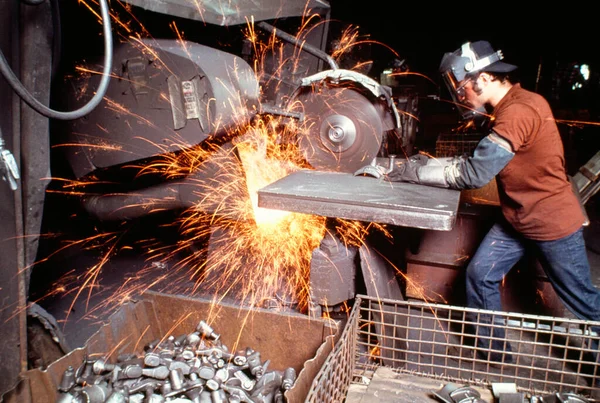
(193,367)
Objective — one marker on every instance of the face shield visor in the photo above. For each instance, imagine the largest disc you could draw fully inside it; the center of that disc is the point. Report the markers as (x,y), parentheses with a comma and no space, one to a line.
(464,64)
(456,89)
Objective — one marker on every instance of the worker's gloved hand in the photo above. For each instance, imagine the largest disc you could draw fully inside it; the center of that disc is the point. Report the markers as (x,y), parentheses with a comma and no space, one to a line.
(408,171)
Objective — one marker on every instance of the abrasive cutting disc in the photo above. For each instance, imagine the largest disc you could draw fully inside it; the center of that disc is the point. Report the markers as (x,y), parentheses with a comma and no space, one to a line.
(341,130)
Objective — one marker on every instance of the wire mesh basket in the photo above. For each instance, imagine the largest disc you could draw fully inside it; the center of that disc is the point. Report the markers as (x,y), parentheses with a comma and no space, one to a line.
(538,354)
(451,144)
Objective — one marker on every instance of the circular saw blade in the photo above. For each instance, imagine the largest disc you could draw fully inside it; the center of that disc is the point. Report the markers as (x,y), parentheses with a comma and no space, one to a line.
(341,130)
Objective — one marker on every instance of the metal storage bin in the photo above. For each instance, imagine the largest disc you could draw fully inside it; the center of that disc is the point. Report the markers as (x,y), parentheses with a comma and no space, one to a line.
(286,339)
(550,354)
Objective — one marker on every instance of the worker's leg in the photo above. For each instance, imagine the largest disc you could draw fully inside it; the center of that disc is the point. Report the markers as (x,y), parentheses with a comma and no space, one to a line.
(499,251)
(566,264)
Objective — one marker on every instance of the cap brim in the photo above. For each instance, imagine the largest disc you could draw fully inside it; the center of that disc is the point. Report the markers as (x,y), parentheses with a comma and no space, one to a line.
(500,67)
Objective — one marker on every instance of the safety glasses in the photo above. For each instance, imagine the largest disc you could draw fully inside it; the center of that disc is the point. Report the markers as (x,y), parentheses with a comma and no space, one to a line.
(460,90)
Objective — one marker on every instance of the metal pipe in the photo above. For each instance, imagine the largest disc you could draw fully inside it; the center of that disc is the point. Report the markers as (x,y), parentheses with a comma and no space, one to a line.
(18,200)
(128,206)
(304,46)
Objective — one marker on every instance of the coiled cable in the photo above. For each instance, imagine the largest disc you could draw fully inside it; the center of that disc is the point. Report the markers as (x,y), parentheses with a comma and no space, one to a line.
(30,100)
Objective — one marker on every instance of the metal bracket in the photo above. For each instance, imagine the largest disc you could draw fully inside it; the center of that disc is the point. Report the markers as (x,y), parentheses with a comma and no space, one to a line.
(8,166)
(375,170)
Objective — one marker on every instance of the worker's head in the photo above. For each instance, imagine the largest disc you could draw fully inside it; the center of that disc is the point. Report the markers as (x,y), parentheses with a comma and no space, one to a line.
(463,69)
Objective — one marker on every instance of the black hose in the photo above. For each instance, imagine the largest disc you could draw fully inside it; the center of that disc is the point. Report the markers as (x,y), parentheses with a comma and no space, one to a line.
(22,92)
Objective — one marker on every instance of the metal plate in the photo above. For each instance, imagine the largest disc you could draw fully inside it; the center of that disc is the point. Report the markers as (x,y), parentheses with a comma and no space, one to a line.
(343,195)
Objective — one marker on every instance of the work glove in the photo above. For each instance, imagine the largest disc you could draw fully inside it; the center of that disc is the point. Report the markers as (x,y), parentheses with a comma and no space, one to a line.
(407,171)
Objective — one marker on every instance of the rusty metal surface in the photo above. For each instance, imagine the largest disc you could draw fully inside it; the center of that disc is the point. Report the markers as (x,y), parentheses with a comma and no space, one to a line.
(36,68)
(13,354)
(342,195)
(287,340)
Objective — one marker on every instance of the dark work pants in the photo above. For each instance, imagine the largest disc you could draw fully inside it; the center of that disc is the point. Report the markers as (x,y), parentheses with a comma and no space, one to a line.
(564,261)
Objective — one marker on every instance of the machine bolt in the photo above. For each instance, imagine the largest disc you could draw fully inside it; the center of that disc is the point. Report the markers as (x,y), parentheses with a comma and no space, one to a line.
(193,339)
(239,359)
(161,372)
(68,380)
(152,360)
(213,384)
(131,372)
(86,370)
(179,341)
(153,344)
(165,388)
(289,378)
(255,364)
(206,372)
(101,366)
(176,378)
(115,374)
(247,383)
(187,354)
(95,393)
(185,368)
(205,330)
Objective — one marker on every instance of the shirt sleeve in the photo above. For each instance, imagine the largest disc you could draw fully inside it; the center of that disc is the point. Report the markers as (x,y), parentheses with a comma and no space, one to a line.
(489,158)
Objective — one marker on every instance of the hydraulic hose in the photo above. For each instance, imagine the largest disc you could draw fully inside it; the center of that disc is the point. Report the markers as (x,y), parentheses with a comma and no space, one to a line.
(22,92)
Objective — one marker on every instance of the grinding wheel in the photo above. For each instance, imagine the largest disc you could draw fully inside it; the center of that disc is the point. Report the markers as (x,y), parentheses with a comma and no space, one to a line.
(341,131)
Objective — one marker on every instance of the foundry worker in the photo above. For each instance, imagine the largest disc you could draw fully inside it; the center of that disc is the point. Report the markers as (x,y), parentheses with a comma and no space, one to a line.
(523,150)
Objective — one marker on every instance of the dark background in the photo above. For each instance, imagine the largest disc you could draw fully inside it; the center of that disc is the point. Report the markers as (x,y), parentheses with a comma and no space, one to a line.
(547,44)
(423,31)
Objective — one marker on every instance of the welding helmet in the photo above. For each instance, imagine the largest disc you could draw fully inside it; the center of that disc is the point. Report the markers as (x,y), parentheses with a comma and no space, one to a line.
(466,62)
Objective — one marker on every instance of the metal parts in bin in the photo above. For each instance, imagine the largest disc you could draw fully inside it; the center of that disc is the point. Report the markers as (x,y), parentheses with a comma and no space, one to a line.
(286,340)
(194,367)
(343,195)
(587,178)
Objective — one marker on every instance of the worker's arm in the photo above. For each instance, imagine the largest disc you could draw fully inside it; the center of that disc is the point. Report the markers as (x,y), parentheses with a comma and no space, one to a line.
(489,157)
